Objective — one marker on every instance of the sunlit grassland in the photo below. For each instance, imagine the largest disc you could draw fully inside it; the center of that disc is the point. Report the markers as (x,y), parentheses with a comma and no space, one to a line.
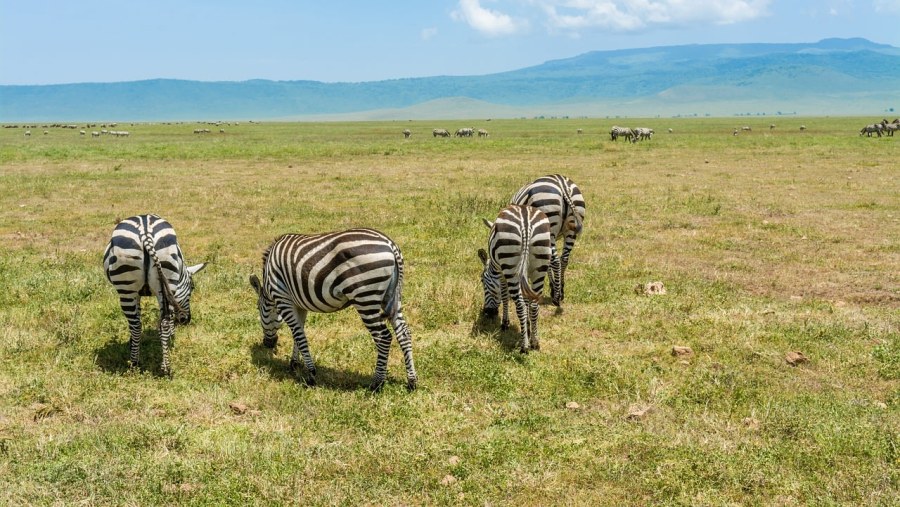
(768,242)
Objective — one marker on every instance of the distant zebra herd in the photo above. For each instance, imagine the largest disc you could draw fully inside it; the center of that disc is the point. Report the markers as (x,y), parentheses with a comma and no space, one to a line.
(630,134)
(461,132)
(882,128)
(362,268)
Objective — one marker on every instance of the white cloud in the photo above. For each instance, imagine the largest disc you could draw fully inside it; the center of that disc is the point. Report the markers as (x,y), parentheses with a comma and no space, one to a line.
(631,15)
(489,22)
(888,6)
(429,33)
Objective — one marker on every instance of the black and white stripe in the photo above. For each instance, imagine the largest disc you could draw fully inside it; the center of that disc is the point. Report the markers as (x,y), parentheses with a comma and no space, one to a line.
(515,266)
(561,200)
(143,259)
(328,272)
(616,132)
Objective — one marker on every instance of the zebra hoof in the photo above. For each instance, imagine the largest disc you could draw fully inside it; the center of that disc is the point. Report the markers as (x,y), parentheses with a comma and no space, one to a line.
(411,384)
(523,350)
(504,326)
(489,312)
(535,346)
(309,380)
(376,385)
(270,344)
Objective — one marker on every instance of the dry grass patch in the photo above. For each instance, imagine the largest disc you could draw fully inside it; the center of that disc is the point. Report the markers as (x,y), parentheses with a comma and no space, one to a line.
(767,243)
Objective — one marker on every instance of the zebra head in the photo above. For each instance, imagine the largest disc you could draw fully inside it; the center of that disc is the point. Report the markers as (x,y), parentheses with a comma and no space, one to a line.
(490,281)
(268,317)
(183,292)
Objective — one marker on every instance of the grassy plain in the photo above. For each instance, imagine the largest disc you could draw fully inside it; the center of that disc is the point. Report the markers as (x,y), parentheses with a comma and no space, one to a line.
(768,242)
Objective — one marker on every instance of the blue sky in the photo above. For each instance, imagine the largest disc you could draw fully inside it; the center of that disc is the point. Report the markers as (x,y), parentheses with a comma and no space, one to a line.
(72,41)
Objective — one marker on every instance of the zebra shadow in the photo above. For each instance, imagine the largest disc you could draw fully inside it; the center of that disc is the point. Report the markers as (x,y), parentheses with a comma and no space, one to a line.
(112,356)
(326,377)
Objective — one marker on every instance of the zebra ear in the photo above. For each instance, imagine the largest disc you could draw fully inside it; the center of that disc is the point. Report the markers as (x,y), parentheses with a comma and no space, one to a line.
(254,282)
(482,255)
(193,270)
(487,223)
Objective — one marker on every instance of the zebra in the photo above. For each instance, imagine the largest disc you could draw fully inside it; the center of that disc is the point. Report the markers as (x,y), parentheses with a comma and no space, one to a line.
(440,132)
(406,133)
(868,129)
(616,132)
(143,258)
(890,127)
(328,272)
(561,200)
(642,133)
(519,245)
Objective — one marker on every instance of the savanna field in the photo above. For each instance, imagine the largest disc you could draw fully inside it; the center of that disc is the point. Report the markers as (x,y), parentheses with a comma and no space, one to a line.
(769,243)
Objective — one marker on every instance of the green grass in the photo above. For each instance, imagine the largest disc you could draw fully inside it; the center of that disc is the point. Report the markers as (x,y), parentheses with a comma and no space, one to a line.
(768,242)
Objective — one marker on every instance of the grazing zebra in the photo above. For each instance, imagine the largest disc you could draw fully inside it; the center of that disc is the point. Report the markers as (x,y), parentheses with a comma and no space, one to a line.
(561,200)
(642,133)
(868,129)
(519,245)
(406,133)
(329,272)
(440,133)
(616,132)
(143,259)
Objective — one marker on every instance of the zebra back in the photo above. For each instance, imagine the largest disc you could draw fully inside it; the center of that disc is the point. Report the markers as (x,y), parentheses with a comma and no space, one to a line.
(327,272)
(558,197)
(168,296)
(518,234)
(143,243)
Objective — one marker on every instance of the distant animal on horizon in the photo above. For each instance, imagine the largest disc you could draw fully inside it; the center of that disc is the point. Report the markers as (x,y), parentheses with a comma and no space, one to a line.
(616,132)
(643,133)
(869,129)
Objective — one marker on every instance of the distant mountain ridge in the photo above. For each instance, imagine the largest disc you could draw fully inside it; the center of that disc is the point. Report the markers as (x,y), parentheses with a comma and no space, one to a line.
(832,76)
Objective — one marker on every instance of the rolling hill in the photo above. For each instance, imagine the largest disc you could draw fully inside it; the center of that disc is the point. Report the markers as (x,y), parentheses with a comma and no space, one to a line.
(832,76)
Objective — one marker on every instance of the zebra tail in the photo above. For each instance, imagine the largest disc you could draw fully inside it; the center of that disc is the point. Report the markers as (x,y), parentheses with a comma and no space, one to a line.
(568,199)
(391,302)
(524,283)
(168,296)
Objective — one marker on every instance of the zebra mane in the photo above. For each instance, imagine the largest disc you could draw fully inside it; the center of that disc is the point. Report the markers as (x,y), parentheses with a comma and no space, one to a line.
(168,296)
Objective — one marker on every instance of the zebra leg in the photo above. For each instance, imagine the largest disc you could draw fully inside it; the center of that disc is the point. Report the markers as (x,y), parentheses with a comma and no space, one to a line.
(401,331)
(504,298)
(296,321)
(522,314)
(382,337)
(563,264)
(131,306)
(555,272)
(166,333)
(533,309)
